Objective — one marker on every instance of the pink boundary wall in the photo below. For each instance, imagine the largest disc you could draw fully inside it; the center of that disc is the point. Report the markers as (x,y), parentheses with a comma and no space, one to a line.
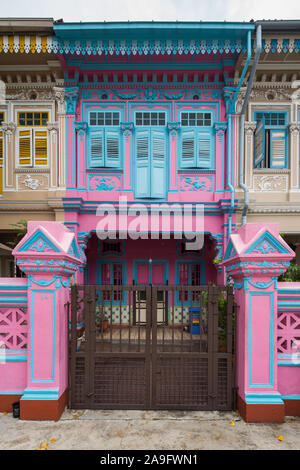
(33,323)
(49,256)
(256,255)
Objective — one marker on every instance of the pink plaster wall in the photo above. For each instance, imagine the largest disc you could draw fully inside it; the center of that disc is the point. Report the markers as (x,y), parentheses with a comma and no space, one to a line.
(13,377)
(150,249)
(13,374)
(289,380)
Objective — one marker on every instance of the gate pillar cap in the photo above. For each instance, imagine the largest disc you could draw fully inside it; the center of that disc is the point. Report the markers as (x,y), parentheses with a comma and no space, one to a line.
(48,244)
(256,249)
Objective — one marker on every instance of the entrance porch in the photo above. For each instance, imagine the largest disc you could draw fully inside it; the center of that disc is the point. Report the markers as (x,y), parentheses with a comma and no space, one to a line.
(148,263)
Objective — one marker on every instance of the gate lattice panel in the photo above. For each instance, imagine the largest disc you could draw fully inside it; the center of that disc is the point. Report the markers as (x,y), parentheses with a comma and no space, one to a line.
(151,347)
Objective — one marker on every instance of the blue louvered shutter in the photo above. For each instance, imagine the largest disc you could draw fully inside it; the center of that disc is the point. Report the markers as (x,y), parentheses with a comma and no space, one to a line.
(188,147)
(204,150)
(259,144)
(142,173)
(158,164)
(278,148)
(112,149)
(96,153)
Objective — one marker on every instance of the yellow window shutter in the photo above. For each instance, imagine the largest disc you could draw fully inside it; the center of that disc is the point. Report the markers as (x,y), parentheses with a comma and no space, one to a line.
(1,162)
(25,147)
(40,148)
(1,149)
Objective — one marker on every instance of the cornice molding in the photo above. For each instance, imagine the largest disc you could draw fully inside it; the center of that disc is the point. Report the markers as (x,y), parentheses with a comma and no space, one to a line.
(30,85)
(274,211)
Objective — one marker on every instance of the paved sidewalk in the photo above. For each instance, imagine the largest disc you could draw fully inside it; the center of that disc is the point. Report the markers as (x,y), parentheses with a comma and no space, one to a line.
(147,430)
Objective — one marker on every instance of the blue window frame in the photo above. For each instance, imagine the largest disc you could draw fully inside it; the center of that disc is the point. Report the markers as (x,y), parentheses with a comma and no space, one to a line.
(188,273)
(150,118)
(270,140)
(150,155)
(104,140)
(196,140)
(111,273)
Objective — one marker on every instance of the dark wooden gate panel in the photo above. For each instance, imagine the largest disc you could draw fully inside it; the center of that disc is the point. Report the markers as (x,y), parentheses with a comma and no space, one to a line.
(137,362)
(110,364)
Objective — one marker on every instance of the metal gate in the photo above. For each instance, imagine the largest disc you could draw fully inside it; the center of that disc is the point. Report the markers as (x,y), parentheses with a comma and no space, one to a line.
(122,357)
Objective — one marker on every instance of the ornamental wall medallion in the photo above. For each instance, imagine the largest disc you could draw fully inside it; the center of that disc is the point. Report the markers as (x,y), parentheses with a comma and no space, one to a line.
(104,183)
(32,182)
(199,183)
(270,182)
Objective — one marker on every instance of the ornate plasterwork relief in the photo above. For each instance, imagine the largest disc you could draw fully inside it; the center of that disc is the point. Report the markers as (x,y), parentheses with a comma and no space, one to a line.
(32,94)
(269,95)
(27,182)
(270,182)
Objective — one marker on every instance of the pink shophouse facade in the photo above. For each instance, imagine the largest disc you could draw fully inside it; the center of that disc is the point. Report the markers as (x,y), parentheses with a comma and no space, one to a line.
(151,122)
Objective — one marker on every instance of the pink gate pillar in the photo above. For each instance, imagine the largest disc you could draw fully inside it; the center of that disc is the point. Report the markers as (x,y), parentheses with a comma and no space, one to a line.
(255,256)
(50,256)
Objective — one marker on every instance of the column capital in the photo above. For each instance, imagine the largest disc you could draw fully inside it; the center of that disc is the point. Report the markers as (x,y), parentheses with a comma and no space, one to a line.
(52,127)
(173,126)
(9,128)
(127,128)
(59,94)
(81,127)
(250,127)
(229,93)
(294,128)
(71,97)
(220,128)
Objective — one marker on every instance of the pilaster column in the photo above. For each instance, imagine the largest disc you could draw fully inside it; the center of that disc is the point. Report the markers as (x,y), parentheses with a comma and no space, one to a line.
(218,239)
(220,129)
(49,255)
(250,127)
(61,113)
(255,256)
(294,129)
(71,97)
(52,129)
(9,130)
(127,128)
(81,130)
(173,128)
(83,238)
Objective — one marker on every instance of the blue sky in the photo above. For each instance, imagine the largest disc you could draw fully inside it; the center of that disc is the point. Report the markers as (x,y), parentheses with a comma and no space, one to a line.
(165,10)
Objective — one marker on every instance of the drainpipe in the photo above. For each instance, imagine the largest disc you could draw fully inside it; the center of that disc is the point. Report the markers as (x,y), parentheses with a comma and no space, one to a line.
(242,124)
(228,172)
(228,152)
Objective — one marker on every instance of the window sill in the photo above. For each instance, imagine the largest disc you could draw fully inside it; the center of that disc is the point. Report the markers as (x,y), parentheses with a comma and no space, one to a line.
(195,170)
(271,170)
(31,170)
(104,169)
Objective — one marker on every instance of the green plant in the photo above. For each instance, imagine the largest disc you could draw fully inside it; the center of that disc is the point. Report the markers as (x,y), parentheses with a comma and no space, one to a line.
(292,274)
(101,316)
(21,227)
